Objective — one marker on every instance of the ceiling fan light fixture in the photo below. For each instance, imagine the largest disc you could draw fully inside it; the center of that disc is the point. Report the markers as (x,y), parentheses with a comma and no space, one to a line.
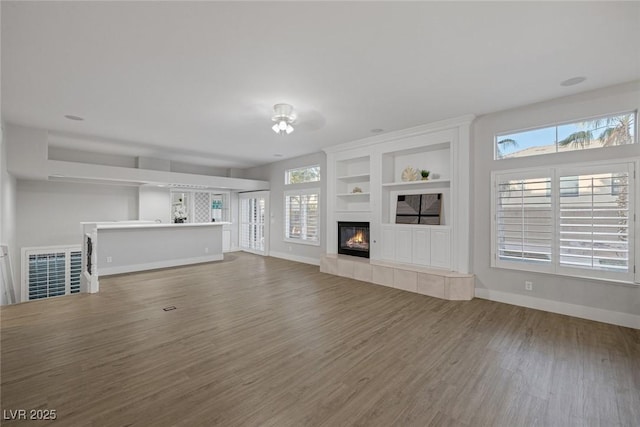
(284,116)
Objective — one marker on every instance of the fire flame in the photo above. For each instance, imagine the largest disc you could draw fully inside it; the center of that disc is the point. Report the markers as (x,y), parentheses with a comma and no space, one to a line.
(358,239)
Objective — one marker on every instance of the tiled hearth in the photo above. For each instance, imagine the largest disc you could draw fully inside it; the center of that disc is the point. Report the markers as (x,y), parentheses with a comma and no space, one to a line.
(432,282)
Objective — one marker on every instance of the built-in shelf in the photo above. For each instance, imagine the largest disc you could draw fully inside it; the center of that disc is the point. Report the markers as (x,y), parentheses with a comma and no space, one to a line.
(352,184)
(350,178)
(354,195)
(417,183)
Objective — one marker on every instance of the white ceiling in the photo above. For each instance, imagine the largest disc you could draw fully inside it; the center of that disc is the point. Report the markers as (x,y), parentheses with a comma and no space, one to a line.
(197,81)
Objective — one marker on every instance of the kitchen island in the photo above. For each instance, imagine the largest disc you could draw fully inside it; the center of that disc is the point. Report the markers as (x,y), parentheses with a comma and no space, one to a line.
(116,248)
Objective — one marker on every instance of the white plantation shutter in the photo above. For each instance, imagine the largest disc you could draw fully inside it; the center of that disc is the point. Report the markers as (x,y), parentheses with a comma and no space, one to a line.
(252,227)
(524,219)
(302,216)
(596,224)
(50,272)
(576,221)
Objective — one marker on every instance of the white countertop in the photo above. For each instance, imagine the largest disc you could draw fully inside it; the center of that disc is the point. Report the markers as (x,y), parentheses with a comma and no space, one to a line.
(115,226)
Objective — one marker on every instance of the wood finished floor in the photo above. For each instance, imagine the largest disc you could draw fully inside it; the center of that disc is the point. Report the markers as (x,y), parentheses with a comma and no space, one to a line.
(266,342)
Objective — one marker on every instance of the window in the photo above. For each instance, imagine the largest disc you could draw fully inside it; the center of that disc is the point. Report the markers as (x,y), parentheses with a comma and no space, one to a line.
(594,133)
(301,175)
(569,186)
(302,216)
(576,221)
(50,272)
(594,226)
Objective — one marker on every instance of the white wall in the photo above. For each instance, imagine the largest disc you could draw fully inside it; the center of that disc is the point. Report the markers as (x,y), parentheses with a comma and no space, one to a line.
(198,169)
(7,201)
(509,284)
(8,212)
(154,204)
(78,156)
(49,213)
(274,172)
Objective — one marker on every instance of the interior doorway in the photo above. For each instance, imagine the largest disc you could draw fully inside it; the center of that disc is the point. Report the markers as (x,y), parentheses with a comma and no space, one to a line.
(254,222)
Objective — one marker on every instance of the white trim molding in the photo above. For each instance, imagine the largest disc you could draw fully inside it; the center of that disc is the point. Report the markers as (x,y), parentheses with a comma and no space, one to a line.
(454,122)
(584,312)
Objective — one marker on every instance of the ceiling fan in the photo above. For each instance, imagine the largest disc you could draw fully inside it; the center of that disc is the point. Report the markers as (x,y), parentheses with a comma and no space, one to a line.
(284,116)
(301,119)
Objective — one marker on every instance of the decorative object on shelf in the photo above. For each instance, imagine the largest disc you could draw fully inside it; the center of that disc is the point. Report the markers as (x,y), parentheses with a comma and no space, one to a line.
(356,190)
(409,174)
(284,116)
(425,174)
(179,212)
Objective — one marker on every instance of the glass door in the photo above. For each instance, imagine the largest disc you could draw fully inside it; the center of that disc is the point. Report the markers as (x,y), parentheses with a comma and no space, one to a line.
(254,225)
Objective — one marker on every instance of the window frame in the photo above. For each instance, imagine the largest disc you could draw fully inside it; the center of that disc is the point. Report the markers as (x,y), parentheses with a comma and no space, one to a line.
(498,135)
(302,192)
(554,267)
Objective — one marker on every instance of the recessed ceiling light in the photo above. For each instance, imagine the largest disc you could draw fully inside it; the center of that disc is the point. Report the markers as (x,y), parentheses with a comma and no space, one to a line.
(573,81)
(277,155)
(72,117)
(377,130)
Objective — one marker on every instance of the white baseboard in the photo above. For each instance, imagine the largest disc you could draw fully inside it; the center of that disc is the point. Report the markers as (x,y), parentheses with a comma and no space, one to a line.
(296,258)
(581,311)
(157,264)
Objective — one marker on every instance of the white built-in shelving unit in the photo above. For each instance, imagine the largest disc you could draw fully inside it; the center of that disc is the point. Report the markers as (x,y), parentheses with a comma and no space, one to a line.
(352,184)
(365,177)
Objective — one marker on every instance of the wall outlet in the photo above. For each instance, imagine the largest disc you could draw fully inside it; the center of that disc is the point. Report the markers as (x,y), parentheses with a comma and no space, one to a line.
(109,259)
(528,285)
(206,250)
(290,249)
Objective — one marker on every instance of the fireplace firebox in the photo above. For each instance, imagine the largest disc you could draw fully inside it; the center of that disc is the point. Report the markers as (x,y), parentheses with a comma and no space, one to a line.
(353,238)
